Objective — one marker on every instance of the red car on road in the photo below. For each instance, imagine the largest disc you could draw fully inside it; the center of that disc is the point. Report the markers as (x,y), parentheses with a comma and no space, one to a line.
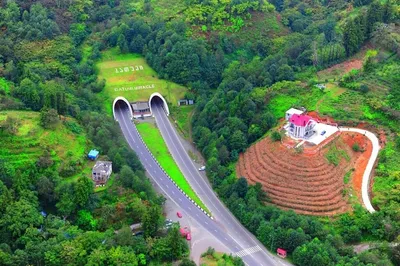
(188,236)
(179,214)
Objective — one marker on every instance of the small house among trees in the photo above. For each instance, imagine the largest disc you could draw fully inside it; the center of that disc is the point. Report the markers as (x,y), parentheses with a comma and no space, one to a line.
(101,172)
(93,155)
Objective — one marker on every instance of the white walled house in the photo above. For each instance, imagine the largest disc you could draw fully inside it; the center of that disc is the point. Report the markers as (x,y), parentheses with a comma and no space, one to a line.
(301,126)
(101,172)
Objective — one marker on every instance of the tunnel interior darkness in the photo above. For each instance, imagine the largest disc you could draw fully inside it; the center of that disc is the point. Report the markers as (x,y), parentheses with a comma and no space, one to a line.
(121,102)
(157,98)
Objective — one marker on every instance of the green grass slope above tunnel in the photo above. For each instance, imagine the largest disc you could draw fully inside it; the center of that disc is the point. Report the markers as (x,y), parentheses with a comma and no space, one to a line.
(129,76)
(154,141)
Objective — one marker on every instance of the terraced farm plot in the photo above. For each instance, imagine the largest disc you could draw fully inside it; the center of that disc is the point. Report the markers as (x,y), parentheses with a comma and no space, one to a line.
(129,76)
(30,141)
(306,183)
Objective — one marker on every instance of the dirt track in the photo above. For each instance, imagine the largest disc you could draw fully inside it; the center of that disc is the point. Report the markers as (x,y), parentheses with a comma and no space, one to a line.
(306,183)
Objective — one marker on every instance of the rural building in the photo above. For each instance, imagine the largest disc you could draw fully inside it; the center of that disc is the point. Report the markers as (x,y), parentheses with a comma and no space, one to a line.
(101,172)
(93,155)
(141,109)
(185,102)
(281,252)
(300,125)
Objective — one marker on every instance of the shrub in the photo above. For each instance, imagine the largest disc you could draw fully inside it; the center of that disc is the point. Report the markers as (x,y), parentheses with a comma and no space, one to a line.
(356,147)
(299,149)
(364,88)
(276,136)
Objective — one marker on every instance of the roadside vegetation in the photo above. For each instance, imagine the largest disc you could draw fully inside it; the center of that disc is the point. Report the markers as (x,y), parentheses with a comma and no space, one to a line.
(213,258)
(157,146)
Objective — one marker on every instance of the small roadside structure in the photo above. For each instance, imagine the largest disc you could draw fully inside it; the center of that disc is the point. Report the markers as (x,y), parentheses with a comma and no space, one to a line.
(141,109)
(101,172)
(93,155)
(281,253)
(185,102)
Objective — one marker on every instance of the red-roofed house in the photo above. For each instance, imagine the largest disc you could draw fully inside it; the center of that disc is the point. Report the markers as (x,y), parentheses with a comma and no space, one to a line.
(301,126)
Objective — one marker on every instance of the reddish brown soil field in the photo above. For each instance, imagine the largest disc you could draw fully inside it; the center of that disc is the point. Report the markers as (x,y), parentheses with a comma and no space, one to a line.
(344,67)
(362,158)
(306,183)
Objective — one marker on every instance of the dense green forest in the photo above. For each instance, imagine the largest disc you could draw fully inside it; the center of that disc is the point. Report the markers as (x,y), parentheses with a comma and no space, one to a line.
(239,59)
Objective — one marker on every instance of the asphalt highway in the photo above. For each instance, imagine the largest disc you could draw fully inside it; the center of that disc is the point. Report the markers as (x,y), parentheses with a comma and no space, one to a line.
(251,247)
(224,227)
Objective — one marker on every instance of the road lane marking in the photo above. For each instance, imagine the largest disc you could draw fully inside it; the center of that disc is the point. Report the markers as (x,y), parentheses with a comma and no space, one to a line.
(166,185)
(223,209)
(248,251)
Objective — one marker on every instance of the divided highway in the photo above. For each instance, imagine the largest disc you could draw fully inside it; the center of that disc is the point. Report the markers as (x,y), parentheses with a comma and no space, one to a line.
(225,227)
(221,214)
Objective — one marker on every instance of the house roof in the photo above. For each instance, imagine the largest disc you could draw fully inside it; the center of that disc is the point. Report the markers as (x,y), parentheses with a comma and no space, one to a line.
(281,250)
(292,111)
(102,166)
(140,105)
(94,153)
(300,120)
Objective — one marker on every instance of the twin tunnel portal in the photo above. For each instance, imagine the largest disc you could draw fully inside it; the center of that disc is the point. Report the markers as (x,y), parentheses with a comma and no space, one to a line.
(145,108)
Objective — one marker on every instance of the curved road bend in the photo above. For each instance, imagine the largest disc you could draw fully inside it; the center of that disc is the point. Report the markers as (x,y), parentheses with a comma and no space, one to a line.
(236,245)
(367,173)
(221,214)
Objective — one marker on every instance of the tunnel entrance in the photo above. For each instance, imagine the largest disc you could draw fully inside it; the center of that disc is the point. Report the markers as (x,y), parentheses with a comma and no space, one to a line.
(158,98)
(122,103)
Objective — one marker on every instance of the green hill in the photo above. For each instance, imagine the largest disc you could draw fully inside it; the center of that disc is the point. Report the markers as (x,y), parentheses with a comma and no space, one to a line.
(129,76)
(67,143)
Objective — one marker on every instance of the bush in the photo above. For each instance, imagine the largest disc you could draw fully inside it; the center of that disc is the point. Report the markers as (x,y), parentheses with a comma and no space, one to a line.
(356,147)
(364,88)
(276,136)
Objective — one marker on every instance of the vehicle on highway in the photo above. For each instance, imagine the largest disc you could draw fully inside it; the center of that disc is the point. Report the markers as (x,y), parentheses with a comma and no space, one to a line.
(179,214)
(202,168)
(323,132)
(188,236)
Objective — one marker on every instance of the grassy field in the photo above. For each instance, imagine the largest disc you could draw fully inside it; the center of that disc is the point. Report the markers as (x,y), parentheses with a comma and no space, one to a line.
(153,139)
(182,116)
(129,75)
(30,140)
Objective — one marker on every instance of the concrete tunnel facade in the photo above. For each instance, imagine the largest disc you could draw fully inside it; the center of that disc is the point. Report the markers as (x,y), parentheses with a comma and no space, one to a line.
(152,96)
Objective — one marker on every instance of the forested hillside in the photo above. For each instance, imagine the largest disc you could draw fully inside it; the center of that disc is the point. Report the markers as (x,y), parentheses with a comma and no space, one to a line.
(244,62)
